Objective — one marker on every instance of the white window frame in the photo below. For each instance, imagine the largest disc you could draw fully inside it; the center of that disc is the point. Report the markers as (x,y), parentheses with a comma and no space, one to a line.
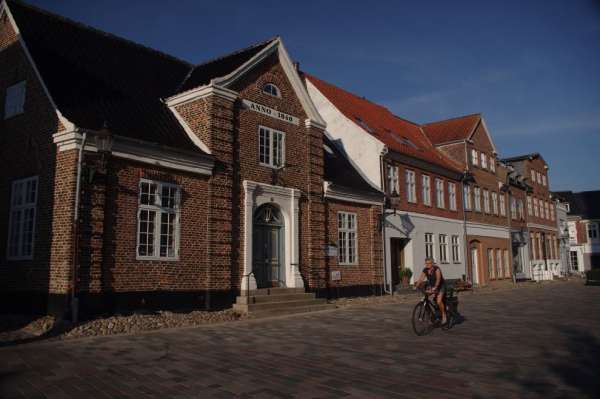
(492,164)
(486,201)
(14,100)
(19,203)
(474,157)
(507,264)
(552,212)
(426,183)
(536,209)
(499,263)
(347,238)
(430,246)
(452,196)
(467,197)
(411,186)
(513,208)
(544,180)
(539,177)
(439,193)
(529,206)
(392,180)
(270,85)
(491,266)
(159,209)
(483,160)
(443,240)
(271,148)
(495,203)
(455,249)
(520,209)
(532,175)
(477,199)
(502,203)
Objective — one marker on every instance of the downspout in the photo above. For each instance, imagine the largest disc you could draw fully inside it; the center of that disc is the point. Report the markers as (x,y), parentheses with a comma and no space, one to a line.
(466,245)
(387,289)
(74,299)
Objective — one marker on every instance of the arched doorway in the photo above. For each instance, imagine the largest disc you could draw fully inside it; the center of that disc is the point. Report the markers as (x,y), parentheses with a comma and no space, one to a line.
(267,251)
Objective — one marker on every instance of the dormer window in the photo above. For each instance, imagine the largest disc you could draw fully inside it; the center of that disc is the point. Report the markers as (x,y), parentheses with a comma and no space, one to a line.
(271,90)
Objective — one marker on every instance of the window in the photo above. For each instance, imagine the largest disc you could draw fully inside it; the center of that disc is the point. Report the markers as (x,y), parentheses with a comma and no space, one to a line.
(574,261)
(499,265)
(271,147)
(426,183)
(547,209)
(567,207)
(552,212)
(502,204)
(535,207)
(492,164)
(411,186)
(467,197)
(271,90)
(439,191)
(544,181)
(477,195)
(21,225)
(532,176)
(539,178)
(513,208)
(455,250)
(14,102)
(392,180)
(483,161)
(443,248)
(490,259)
(592,230)
(452,196)
(347,238)
(474,159)
(507,268)
(529,207)
(429,246)
(520,209)
(486,201)
(495,203)
(158,220)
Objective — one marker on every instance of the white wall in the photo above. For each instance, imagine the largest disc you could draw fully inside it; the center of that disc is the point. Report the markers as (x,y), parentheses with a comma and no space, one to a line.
(414,226)
(362,148)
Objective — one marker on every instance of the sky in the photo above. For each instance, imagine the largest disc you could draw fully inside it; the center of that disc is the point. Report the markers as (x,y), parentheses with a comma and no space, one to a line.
(532,68)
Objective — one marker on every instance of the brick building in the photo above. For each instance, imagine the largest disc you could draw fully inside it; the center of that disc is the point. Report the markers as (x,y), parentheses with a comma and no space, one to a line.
(141,180)
(468,141)
(424,210)
(541,216)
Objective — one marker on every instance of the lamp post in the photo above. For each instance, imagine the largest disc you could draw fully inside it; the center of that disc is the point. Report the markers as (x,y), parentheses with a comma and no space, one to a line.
(104,142)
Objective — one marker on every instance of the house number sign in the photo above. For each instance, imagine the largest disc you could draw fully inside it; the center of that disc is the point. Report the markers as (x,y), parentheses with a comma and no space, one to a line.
(273,113)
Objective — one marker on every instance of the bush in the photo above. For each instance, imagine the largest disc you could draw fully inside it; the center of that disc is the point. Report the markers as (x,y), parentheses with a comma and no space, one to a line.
(405,272)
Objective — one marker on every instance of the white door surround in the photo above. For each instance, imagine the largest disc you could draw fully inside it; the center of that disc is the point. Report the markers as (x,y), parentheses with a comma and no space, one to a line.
(286,200)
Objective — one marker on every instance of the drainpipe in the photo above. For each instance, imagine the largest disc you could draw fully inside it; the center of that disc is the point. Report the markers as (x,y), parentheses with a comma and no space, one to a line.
(74,299)
(465,244)
(387,289)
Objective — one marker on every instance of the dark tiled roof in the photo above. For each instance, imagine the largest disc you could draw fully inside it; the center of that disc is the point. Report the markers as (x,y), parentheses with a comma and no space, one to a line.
(585,204)
(342,174)
(203,73)
(454,129)
(397,134)
(96,77)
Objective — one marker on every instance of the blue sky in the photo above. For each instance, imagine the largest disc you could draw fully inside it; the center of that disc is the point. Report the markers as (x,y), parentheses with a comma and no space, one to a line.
(531,67)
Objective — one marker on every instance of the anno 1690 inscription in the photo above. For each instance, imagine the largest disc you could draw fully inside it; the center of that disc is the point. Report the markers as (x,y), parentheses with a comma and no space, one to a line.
(273,113)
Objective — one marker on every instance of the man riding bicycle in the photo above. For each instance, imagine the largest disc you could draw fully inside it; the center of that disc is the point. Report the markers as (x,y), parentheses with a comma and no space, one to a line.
(435,285)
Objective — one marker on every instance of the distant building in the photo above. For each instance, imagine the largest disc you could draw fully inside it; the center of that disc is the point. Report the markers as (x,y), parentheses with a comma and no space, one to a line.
(583,216)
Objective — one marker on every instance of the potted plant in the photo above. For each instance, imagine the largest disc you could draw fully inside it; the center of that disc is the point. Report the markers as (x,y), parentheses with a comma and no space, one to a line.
(405,275)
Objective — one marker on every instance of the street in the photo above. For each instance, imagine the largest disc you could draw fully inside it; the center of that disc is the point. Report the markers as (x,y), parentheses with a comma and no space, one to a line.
(535,341)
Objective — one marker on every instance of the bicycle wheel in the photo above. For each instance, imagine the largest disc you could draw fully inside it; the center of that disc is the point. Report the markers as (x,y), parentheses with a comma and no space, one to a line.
(422,319)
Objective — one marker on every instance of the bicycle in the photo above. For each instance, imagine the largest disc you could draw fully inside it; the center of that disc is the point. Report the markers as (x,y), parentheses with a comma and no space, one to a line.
(426,314)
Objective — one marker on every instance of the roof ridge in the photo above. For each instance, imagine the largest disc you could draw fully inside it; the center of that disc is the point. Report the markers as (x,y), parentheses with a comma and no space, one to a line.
(97,30)
(452,119)
(194,66)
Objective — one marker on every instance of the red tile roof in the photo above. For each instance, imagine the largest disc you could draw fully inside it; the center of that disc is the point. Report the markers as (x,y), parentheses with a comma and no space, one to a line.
(396,133)
(453,129)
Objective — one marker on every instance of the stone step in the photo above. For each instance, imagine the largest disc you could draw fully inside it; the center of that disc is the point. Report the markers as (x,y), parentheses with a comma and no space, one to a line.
(287,311)
(274,298)
(255,307)
(274,291)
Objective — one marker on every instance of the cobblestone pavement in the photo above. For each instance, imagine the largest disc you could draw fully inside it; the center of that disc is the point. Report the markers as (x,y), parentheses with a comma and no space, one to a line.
(534,342)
